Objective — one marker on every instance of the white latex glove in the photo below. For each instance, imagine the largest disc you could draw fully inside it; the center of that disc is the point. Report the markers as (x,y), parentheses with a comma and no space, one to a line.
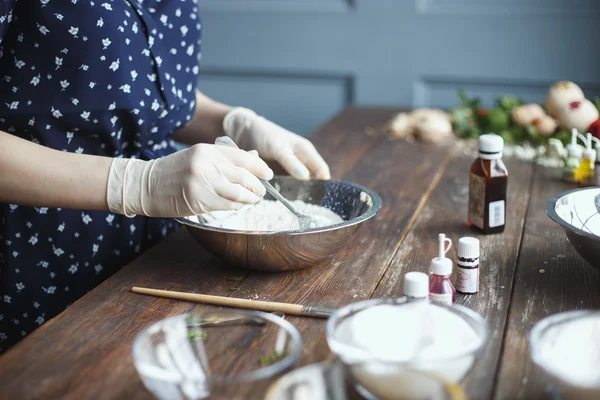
(193,181)
(296,154)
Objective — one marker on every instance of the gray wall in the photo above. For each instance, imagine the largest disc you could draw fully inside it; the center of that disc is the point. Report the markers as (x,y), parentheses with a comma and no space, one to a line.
(299,62)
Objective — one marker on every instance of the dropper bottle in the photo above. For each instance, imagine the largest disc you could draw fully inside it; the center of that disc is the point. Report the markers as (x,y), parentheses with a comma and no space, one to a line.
(573,158)
(441,288)
(585,173)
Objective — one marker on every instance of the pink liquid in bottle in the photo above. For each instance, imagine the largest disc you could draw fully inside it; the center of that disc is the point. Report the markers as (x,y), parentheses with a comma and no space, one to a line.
(441,288)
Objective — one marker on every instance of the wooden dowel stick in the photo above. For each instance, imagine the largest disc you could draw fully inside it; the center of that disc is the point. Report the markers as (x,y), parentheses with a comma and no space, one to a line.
(286,308)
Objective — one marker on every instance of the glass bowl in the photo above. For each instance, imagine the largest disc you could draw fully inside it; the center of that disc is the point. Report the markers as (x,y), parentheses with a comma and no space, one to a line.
(220,354)
(394,373)
(562,360)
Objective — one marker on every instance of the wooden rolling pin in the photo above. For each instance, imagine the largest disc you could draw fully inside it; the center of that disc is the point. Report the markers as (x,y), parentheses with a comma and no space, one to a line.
(286,308)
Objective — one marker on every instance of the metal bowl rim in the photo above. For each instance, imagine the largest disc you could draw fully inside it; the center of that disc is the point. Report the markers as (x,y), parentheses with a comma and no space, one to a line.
(375,199)
(553,215)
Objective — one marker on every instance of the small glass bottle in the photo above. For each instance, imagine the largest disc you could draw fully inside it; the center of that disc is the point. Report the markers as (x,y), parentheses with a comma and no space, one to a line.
(573,158)
(488,181)
(416,286)
(597,166)
(584,174)
(441,288)
(467,266)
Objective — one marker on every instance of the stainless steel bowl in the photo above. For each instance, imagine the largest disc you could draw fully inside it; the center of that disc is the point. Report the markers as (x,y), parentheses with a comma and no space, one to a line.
(577,212)
(287,251)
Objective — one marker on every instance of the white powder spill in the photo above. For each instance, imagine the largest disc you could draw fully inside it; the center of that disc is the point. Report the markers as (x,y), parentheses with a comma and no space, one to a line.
(572,351)
(411,345)
(269,216)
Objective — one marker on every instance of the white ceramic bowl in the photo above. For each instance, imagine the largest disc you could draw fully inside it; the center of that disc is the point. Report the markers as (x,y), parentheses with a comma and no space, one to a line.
(577,212)
(568,351)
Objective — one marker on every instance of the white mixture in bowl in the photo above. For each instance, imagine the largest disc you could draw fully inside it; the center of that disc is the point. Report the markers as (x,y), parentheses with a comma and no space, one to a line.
(269,216)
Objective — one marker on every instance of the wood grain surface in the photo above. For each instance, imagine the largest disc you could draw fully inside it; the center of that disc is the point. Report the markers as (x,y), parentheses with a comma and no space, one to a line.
(446,212)
(550,278)
(85,352)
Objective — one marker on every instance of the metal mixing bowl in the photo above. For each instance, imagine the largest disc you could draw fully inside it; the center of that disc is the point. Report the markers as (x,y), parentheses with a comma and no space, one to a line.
(577,212)
(292,250)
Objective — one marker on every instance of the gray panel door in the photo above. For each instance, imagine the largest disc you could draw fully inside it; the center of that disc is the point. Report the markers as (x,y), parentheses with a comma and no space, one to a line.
(298,62)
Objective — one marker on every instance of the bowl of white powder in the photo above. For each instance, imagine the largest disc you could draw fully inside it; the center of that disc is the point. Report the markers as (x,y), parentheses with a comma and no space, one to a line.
(394,349)
(266,236)
(566,346)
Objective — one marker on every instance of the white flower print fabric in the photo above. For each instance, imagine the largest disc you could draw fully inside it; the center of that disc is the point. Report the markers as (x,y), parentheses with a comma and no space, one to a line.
(109,77)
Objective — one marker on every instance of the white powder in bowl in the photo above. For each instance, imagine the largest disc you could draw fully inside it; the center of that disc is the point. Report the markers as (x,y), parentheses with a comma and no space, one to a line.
(571,351)
(269,216)
(406,342)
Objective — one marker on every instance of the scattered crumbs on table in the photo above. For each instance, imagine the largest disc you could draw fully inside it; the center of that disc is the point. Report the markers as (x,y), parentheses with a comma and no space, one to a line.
(235,278)
(264,361)
(244,291)
(542,271)
(370,131)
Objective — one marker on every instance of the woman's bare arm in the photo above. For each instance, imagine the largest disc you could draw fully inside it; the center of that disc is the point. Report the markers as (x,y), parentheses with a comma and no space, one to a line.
(34,175)
(206,124)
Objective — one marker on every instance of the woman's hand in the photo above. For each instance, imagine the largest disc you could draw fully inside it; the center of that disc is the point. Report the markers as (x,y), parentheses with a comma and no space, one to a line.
(193,181)
(296,154)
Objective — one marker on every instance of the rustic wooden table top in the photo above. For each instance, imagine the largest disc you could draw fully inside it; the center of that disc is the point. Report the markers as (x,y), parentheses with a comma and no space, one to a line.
(527,273)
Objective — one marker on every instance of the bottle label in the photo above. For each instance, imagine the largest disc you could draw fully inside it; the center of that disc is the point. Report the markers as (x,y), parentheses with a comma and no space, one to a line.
(476,200)
(496,213)
(467,280)
(442,298)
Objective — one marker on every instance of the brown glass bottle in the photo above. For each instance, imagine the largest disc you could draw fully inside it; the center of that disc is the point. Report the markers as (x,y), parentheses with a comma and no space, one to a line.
(488,181)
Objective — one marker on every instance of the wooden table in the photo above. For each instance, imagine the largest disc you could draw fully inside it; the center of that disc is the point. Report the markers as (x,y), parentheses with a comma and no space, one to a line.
(527,273)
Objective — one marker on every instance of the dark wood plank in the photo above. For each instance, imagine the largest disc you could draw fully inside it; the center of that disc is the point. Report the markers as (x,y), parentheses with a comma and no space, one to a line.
(446,212)
(93,337)
(550,278)
(403,174)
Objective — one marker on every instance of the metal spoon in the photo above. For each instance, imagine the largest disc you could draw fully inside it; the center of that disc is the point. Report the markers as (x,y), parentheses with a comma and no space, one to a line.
(305,221)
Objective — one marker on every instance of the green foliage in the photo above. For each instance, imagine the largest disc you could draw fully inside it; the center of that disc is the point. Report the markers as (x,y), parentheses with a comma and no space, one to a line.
(470,120)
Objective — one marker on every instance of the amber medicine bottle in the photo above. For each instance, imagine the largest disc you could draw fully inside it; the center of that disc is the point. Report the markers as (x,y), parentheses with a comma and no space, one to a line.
(487,186)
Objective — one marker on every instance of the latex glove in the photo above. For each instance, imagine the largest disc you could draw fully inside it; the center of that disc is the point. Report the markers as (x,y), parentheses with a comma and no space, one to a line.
(296,154)
(193,181)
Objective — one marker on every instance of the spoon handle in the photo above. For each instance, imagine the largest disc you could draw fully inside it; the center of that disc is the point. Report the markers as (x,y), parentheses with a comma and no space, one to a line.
(227,141)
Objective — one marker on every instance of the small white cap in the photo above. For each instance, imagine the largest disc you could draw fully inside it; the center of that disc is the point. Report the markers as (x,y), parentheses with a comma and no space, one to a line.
(441,266)
(589,154)
(468,247)
(416,284)
(574,150)
(490,143)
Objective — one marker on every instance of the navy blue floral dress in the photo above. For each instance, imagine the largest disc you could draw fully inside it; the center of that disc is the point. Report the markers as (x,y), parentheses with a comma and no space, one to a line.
(110,77)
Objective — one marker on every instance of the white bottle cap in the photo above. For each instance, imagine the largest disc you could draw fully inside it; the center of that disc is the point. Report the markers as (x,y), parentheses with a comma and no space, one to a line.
(442,265)
(589,153)
(416,284)
(573,149)
(490,146)
(468,247)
